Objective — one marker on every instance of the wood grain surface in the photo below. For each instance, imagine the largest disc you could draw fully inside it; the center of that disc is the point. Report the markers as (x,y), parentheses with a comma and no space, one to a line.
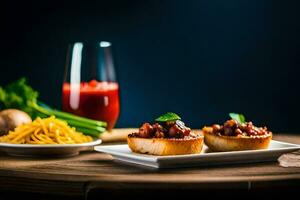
(77,175)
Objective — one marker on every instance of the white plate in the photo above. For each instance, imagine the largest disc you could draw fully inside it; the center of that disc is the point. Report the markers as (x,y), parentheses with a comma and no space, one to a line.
(56,150)
(124,154)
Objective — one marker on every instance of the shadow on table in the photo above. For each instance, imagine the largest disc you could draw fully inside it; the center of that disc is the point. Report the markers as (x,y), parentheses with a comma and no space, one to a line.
(273,193)
(10,195)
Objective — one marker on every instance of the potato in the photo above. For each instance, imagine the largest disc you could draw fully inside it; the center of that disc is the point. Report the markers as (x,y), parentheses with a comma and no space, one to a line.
(11,118)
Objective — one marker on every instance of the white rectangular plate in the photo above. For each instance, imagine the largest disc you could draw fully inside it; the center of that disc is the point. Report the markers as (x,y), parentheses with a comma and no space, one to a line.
(124,154)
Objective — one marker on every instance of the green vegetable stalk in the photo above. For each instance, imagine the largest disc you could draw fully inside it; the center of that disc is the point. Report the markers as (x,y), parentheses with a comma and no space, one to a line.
(21,96)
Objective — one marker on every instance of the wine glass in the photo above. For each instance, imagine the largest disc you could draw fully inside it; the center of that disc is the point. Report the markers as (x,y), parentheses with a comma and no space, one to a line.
(90,87)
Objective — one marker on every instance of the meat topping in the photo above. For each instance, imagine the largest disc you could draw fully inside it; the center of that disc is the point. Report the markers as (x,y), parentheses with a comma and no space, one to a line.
(233,128)
(169,129)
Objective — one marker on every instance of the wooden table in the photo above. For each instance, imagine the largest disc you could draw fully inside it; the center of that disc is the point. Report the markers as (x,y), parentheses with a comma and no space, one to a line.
(93,173)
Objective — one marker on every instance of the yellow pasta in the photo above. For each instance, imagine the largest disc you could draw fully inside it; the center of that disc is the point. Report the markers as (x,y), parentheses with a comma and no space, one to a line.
(45,131)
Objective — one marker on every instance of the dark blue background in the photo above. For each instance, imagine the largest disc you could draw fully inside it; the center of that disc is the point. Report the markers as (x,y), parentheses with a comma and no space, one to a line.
(200,59)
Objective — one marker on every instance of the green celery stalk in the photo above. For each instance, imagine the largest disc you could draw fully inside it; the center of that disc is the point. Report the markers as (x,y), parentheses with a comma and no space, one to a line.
(87,131)
(65,115)
(84,125)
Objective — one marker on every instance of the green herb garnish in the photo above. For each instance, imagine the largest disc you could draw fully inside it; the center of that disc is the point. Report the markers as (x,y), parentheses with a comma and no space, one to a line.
(238,117)
(22,96)
(169,116)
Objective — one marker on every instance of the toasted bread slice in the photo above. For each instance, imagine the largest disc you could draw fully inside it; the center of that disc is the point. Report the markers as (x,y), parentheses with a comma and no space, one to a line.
(166,146)
(232,143)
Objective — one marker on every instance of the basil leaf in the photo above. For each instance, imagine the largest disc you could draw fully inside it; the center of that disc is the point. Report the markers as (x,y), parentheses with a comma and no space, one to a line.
(169,116)
(238,117)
